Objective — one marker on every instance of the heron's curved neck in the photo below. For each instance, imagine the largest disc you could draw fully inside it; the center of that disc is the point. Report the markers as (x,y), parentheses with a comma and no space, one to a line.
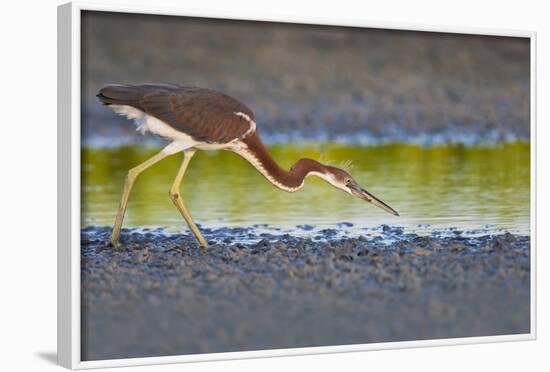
(293,180)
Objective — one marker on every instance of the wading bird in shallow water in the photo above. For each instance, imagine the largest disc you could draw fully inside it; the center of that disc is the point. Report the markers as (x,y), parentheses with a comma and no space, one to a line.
(194,119)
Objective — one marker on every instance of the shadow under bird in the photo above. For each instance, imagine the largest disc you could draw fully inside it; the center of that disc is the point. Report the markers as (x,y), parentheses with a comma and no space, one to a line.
(192,119)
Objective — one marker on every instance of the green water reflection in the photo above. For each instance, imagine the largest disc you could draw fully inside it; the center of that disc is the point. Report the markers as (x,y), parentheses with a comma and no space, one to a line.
(449,186)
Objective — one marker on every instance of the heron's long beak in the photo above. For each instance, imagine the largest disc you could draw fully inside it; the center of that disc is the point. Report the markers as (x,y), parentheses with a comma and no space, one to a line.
(361,193)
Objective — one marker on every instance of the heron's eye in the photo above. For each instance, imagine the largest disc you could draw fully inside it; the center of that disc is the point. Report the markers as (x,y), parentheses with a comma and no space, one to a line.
(348,181)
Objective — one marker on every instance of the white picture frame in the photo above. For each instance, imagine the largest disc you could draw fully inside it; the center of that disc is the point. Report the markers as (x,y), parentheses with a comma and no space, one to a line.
(69,187)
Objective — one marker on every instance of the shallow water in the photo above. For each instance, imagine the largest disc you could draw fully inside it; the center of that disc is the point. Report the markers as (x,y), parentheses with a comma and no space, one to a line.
(470,189)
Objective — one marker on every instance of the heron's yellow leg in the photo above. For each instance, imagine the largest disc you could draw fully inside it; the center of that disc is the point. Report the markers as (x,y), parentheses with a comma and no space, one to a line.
(130,178)
(178,200)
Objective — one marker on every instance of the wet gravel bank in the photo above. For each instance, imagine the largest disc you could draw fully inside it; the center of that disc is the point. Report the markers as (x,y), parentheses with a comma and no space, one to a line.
(163,295)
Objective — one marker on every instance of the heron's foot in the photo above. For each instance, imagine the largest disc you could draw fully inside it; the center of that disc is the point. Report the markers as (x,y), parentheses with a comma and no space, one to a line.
(202,242)
(106,246)
(116,245)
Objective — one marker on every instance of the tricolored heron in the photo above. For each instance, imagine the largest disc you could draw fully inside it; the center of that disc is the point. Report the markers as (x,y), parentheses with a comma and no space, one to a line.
(194,119)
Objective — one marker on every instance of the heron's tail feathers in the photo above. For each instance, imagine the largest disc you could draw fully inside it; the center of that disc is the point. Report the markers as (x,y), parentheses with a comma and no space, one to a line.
(119,94)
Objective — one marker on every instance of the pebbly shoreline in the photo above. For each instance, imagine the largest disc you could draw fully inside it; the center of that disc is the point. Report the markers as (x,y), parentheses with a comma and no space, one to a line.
(164,295)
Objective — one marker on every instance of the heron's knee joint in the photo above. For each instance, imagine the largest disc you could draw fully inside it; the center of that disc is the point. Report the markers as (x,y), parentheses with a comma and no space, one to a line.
(174,195)
(132,174)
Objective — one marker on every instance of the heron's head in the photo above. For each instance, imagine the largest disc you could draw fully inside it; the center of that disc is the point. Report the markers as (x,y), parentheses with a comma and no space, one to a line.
(342,180)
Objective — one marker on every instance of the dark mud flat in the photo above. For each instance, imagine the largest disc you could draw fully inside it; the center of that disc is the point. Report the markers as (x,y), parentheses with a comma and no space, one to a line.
(164,295)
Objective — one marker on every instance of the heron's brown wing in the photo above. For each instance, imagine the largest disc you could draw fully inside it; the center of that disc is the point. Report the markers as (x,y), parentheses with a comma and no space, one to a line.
(203,114)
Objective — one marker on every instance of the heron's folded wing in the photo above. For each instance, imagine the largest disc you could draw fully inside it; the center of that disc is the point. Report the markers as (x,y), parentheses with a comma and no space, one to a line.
(203,114)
